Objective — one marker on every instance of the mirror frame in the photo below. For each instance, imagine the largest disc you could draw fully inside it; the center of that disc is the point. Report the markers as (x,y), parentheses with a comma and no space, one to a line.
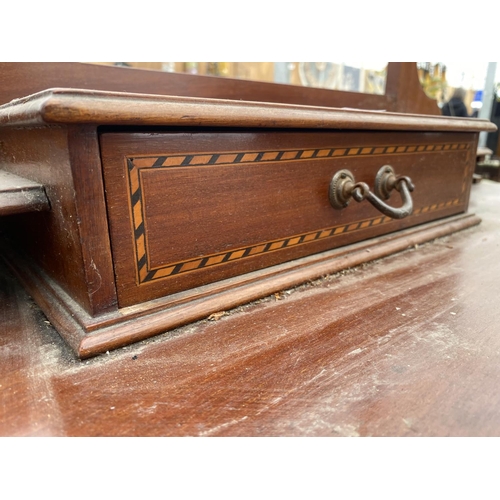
(403,93)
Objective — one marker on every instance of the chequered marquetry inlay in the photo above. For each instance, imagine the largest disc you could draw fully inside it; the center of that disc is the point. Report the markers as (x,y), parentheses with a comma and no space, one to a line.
(136,164)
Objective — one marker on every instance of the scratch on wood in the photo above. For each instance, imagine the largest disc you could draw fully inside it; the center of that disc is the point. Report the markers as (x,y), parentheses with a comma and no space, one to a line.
(356,351)
(217,428)
(94,267)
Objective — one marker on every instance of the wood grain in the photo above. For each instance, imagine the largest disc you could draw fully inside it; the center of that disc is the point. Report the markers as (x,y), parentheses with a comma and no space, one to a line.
(86,170)
(191,208)
(56,106)
(404,88)
(51,238)
(406,346)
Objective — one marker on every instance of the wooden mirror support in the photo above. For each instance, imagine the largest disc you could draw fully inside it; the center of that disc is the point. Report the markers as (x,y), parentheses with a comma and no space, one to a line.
(403,92)
(155,211)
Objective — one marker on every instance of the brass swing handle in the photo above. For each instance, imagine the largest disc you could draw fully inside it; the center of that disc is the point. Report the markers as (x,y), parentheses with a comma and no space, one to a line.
(343,187)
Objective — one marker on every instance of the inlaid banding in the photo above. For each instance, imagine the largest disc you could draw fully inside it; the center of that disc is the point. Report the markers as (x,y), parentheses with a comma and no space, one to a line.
(137,164)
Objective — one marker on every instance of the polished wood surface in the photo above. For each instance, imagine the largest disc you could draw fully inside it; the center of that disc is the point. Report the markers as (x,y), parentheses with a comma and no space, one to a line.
(405,346)
(70,242)
(64,256)
(77,106)
(191,208)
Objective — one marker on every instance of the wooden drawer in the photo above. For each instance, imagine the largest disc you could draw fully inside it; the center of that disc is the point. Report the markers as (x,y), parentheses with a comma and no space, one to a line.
(187,208)
(159,211)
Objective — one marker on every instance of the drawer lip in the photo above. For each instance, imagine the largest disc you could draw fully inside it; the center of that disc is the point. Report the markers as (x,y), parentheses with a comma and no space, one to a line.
(71,106)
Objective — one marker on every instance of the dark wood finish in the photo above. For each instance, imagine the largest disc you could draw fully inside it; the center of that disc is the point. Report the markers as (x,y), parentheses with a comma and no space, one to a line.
(84,155)
(64,256)
(404,87)
(406,346)
(70,242)
(70,106)
(19,195)
(491,172)
(184,213)
(51,239)
(403,90)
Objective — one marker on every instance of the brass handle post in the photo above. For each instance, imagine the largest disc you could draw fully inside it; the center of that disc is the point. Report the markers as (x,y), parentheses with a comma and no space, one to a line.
(343,188)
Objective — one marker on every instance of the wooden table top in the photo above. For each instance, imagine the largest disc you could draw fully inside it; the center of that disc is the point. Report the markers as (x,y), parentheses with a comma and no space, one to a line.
(405,346)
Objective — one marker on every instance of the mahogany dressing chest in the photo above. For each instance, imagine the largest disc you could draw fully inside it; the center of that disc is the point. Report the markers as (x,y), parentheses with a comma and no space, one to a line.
(145,212)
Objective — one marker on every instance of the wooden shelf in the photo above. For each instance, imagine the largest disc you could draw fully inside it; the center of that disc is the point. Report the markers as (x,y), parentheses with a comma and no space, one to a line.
(19,195)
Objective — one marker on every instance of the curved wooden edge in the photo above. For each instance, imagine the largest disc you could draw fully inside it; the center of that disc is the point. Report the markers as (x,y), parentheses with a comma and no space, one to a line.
(62,311)
(76,106)
(89,336)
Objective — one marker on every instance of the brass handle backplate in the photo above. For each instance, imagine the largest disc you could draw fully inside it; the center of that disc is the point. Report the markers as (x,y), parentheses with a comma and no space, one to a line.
(343,188)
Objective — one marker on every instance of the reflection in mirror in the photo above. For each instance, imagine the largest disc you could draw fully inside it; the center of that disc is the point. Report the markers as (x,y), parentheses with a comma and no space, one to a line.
(432,77)
(441,80)
(364,77)
(353,77)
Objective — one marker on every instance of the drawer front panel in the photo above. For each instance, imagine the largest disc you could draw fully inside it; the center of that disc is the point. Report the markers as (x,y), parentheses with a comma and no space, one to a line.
(187,209)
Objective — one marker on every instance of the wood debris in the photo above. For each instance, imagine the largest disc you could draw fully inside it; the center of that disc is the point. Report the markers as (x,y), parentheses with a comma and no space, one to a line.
(216,316)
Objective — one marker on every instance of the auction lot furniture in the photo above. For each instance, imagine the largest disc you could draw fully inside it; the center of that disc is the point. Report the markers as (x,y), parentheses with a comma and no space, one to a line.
(237,256)
(163,210)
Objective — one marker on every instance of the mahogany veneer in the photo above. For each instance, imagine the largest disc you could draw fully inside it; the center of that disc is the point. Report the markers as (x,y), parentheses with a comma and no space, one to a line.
(167,209)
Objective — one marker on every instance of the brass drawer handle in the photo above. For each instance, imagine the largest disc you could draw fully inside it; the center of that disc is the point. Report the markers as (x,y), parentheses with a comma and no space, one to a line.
(343,187)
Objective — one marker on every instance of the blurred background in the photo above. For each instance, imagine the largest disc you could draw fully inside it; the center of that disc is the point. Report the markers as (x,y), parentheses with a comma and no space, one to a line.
(439,79)
(479,80)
